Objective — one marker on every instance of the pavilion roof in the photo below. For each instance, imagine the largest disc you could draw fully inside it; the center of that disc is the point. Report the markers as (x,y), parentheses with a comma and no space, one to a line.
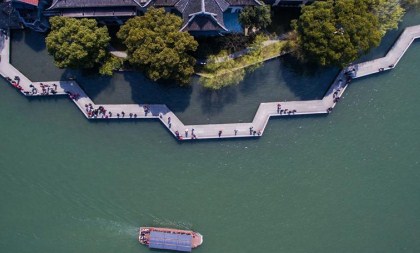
(93,3)
(204,15)
(244,2)
(198,15)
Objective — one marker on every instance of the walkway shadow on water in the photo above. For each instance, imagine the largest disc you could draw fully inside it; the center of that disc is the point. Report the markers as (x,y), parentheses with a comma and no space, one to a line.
(46,99)
(299,117)
(145,91)
(219,141)
(307,81)
(133,121)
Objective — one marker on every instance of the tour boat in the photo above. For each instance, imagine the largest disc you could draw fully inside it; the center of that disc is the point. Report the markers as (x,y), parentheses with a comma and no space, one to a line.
(170,239)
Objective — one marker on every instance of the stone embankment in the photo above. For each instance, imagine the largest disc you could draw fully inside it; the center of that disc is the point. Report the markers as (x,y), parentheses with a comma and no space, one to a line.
(205,131)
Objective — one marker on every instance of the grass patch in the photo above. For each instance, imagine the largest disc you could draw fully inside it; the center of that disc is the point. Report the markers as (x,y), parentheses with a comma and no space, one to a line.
(221,70)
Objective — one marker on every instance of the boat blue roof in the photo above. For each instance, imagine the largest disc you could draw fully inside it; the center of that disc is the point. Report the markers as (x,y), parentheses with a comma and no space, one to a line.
(163,240)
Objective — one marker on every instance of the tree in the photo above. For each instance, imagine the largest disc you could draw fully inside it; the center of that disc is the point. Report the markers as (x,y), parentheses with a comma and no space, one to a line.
(222,70)
(110,64)
(389,13)
(408,4)
(221,73)
(156,45)
(77,43)
(255,17)
(337,32)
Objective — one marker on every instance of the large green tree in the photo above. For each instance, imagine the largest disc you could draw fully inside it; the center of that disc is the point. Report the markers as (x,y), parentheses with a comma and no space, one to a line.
(337,32)
(389,13)
(258,17)
(408,4)
(77,43)
(156,45)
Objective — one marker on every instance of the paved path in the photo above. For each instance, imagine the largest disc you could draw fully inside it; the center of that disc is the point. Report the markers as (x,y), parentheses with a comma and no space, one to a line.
(207,131)
(392,57)
(119,54)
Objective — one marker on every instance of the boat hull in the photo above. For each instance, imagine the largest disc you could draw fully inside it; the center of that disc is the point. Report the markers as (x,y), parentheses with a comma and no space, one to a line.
(144,235)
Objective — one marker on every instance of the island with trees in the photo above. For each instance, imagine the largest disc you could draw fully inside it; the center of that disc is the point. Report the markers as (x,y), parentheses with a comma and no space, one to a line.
(219,40)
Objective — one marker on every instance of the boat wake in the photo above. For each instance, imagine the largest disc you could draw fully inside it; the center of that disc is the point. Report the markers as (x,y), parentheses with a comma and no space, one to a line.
(163,222)
(111,227)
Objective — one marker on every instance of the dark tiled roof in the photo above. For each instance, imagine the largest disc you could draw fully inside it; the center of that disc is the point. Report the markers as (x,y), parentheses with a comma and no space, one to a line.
(169,3)
(205,14)
(98,12)
(244,2)
(202,23)
(94,8)
(9,17)
(198,15)
(182,4)
(93,3)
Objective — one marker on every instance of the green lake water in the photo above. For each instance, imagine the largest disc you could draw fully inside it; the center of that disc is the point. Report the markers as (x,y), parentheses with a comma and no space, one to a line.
(347,182)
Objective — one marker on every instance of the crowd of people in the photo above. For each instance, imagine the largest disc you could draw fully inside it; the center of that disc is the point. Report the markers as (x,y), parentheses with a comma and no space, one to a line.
(15,83)
(99,112)
(254,132)
(284,111)
(180,137)
(42,90)
(47,89)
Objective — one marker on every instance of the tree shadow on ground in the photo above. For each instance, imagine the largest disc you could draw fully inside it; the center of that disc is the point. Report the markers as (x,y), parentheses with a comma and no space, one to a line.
(16,35)
(34,40)
(213,101)
(305,80)
(295,80)
(89,80)
(252,77)
(281,18)
(145,91)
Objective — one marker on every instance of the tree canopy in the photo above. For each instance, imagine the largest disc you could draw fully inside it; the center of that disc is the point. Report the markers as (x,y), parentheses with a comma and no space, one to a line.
(222,74)
(156,45)
(389,13)
(410,4)
(77,43)
(258,17)
(336,32)
(110,64)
